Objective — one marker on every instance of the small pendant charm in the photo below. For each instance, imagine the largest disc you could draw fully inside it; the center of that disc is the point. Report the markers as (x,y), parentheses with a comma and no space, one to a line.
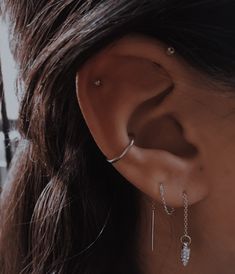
(185,254)
(185,251)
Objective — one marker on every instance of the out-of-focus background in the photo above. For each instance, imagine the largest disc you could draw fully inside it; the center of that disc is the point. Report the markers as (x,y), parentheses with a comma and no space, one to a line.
(9,103)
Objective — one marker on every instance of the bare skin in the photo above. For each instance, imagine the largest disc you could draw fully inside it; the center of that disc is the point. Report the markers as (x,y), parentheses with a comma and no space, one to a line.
(183,125)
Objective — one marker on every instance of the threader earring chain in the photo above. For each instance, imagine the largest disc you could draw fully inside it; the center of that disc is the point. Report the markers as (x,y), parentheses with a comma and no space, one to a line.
(169,211)
(153,225)
(185,238)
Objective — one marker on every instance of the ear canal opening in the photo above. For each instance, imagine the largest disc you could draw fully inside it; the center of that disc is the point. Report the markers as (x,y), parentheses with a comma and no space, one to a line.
(165,133)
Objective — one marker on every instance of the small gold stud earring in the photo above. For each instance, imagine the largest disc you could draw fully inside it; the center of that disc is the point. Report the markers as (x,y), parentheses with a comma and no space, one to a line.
(97,83)
(170,51)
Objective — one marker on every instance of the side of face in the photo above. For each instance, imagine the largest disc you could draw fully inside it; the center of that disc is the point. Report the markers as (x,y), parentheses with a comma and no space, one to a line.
(182,125)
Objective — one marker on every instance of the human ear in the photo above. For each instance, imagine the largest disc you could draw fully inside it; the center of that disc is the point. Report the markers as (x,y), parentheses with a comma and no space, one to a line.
(129,90)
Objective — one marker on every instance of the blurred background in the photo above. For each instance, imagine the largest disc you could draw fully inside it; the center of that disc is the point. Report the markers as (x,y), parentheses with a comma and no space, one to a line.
(9,103)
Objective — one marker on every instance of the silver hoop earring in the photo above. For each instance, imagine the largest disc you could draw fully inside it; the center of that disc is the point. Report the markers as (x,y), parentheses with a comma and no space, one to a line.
(185,239)
(168,210)
(126,150)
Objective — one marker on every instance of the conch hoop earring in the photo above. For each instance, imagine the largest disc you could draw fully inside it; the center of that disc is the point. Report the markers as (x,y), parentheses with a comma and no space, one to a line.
(126,150)
(168,210)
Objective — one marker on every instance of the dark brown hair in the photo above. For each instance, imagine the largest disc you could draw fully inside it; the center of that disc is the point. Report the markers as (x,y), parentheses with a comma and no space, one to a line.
(60,188)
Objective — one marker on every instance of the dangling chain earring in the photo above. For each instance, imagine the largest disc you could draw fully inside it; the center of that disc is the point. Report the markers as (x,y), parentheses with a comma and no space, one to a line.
(185,239)
(169,211)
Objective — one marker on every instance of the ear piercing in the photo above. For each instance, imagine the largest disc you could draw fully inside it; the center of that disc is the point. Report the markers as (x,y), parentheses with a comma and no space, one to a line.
(126,150)
(97,83)
(169,211)
(170,51)
(185,239)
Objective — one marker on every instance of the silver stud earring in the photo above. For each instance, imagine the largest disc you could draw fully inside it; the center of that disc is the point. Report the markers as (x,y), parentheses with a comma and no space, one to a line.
(125,151)
(170,51)
(185,239)
(97,83)
(169,211)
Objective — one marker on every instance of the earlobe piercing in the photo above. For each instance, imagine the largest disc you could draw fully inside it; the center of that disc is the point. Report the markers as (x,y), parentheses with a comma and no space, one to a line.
(126,150)
(170,51)
(169,211)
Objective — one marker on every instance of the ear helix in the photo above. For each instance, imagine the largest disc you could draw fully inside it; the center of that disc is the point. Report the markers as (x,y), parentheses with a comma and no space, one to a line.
(169,51)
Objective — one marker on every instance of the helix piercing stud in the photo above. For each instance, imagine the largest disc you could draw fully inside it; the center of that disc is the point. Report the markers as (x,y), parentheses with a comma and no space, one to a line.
(170,51)
(97,83)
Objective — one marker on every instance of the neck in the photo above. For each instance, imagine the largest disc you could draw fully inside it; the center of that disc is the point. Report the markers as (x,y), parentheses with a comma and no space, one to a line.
(212,248)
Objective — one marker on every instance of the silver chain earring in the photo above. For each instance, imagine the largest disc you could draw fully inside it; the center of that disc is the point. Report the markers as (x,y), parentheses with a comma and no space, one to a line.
(168,210)
(185,239)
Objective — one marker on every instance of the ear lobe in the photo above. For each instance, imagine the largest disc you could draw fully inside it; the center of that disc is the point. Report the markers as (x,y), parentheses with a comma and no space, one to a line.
(147,168)
(130,100)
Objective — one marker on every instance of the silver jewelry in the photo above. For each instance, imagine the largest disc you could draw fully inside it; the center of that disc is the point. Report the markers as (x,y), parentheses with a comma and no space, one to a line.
(185,239)
(153,225)
(118,158)
(169,211)
(97,83)
(170,51)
